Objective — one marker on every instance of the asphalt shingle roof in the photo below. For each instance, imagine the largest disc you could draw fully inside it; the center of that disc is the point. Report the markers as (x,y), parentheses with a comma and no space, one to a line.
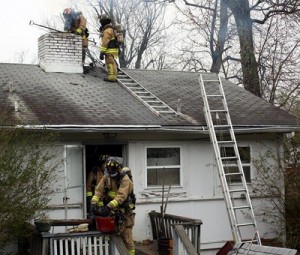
(85,99)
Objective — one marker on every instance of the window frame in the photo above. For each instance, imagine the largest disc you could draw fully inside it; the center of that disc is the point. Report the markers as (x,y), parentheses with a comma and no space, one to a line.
(244,164)
(161,166)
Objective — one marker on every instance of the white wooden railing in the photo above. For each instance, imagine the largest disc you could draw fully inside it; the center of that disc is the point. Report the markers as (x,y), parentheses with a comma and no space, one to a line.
(85,243)
(182,244)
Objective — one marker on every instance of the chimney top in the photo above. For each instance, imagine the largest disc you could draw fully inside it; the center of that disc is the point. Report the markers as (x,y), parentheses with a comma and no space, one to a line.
(60,52)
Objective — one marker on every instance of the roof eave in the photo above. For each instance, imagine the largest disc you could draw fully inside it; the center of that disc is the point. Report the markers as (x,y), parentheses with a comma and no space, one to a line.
(159,128)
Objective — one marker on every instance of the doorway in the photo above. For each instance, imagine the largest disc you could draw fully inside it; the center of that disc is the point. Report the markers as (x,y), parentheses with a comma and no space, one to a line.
(93,153)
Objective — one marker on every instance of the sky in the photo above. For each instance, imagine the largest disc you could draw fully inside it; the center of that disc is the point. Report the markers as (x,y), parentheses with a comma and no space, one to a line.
(17,36)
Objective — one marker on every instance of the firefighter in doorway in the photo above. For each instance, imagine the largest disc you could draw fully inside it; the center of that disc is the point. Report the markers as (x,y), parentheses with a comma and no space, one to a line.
(109,48)
(94,178)
(75,23)
(114,197)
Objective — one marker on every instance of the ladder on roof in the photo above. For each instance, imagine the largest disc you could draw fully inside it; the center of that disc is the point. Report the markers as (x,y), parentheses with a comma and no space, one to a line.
(142,94)
(232,177)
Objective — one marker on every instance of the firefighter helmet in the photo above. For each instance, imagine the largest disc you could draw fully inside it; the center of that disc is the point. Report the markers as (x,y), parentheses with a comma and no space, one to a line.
(113,166)
(104,17)
(67,12)
(103,158)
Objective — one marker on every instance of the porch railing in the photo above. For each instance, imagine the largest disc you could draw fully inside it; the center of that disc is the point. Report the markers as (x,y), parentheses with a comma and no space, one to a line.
(85,243)
(170,225)
(82,243)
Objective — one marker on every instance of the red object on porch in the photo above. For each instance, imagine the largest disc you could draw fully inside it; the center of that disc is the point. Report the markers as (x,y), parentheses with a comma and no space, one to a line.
(105,224)
(227,247)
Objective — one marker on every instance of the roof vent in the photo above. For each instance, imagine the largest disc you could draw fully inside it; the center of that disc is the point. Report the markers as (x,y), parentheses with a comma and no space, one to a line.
(60,53)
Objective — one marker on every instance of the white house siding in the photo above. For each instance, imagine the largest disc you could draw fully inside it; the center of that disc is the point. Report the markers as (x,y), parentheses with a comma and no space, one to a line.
(199,196)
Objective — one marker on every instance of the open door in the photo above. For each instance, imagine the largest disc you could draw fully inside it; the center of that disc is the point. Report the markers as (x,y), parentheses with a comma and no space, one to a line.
(74,176)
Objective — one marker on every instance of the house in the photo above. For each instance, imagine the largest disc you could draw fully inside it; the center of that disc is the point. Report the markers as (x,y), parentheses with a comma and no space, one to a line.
(94,117)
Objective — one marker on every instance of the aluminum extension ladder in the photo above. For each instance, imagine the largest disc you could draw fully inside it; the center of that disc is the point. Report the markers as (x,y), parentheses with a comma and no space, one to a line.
(232,177)
(151,101)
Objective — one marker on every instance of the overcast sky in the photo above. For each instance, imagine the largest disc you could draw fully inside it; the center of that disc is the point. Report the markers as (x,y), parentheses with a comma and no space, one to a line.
(17,35)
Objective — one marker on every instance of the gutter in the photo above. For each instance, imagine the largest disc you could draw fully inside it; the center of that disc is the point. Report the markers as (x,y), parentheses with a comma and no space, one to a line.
(92,128)
(238,129)
(158,128)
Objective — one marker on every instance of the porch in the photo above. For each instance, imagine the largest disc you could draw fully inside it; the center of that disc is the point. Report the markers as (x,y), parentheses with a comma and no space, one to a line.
(172,234)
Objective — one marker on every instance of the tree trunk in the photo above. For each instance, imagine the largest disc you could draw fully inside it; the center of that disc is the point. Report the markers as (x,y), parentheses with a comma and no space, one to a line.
(218,52)
(241,12)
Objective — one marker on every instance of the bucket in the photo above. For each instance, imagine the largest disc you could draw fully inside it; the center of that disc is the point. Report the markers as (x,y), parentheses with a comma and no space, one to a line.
(105,224)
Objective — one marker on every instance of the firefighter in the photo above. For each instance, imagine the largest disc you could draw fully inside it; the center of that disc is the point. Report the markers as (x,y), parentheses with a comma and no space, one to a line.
(75,23)
(93,179)
(114,196)
(109,48)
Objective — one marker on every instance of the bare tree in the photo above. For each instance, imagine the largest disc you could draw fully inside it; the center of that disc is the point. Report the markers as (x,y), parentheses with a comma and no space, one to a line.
(143,24)
(279,62)
(242,11)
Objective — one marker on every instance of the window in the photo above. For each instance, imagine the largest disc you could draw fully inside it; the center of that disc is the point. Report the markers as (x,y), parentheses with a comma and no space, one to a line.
(230,165)
(163,166)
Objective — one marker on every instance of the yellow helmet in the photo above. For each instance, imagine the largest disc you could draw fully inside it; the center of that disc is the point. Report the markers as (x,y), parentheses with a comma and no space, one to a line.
(113,166)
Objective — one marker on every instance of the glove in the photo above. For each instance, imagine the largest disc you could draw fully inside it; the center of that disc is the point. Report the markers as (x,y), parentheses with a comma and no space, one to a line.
(78,31)
(105,211)
(93,208)
(102,56)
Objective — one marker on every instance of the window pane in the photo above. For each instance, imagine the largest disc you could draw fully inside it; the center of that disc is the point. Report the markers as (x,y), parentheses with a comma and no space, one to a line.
(163,156)
(245,155)
(243,151)
(158,176)
(237,178)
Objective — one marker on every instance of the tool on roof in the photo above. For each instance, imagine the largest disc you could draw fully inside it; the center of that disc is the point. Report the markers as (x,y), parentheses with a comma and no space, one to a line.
(31,22)
(237,198)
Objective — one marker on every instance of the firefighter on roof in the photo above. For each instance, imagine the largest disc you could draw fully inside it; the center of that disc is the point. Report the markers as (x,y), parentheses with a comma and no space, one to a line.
(109,48)
(114,196)
(75,23)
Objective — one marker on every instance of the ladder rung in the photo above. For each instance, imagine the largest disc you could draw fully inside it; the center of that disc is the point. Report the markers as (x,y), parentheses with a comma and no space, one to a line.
(237,190)
(232,174)
(211,80)
(214,95)
(218,110)
(245,224)
(165,111)
(250,241)
(241,207)
(225,142)
(229,158)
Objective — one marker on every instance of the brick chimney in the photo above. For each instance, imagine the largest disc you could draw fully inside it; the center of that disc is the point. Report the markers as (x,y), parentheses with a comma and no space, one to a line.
(60,53)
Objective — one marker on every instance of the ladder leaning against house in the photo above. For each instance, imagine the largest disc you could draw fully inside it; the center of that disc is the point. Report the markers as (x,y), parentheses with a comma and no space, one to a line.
(232,177)
(151,101)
